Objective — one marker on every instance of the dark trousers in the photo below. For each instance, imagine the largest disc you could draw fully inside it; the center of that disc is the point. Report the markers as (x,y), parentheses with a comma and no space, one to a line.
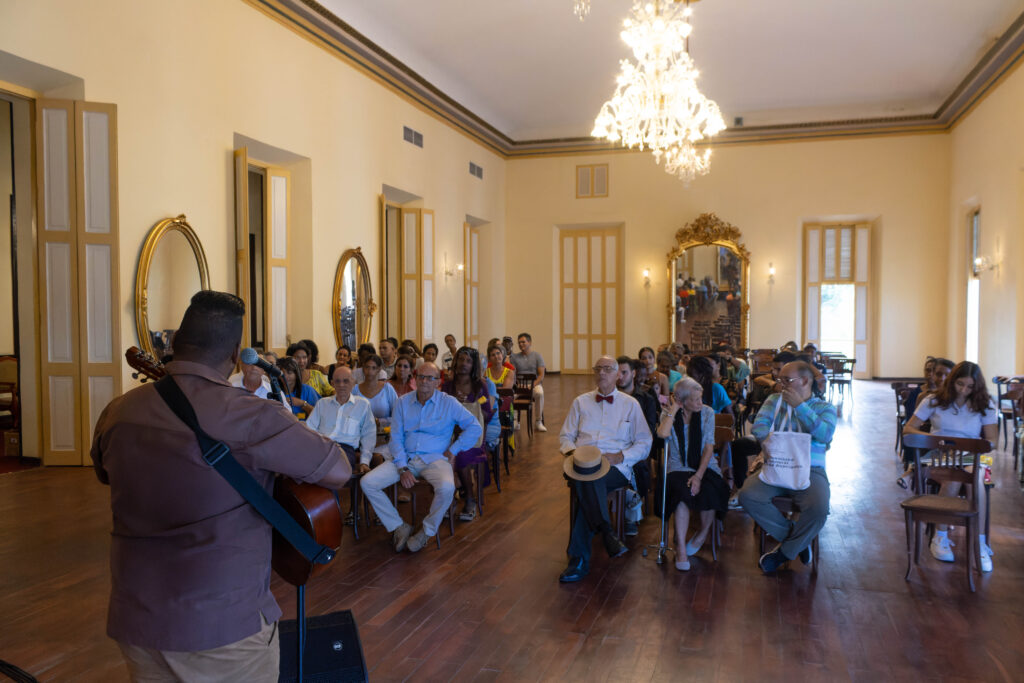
(592,511)
(742,449)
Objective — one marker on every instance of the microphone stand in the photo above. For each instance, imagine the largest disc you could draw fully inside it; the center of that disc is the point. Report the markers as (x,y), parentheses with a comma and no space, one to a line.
(275,389)
(663,546)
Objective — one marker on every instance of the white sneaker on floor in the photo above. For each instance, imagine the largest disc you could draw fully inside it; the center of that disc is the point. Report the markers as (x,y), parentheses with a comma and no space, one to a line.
(941,549)
(986,558)
(539,426)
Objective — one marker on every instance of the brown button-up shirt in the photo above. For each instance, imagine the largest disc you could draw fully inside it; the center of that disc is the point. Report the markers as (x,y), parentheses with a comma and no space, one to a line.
(190,558)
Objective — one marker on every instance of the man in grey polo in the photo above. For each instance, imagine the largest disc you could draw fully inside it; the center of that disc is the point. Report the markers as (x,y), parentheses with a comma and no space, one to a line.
(528,361)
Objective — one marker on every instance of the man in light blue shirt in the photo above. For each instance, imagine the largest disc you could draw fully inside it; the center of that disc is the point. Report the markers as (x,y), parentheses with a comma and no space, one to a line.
(346,420)
(421,446)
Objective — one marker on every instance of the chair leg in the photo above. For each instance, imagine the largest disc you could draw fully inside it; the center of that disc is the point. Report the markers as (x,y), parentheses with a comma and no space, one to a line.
(973,547)
(911,542)
(354,500)
(496,465)
(481,469)
(815,549)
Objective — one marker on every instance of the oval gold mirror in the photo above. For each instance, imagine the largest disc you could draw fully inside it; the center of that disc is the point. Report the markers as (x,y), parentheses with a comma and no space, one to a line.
(352,306)
(708,274)
(172,267)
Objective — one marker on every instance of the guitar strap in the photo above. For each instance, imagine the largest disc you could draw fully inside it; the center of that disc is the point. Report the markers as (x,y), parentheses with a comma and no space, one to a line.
(217,455)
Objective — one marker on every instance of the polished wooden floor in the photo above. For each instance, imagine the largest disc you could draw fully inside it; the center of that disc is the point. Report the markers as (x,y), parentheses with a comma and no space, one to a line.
(488,606)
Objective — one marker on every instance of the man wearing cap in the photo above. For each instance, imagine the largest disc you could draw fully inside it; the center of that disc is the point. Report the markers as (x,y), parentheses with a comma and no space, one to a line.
(612,423)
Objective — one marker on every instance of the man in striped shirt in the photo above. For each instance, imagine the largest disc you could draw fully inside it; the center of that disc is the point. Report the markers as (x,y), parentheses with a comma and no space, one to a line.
(816,417)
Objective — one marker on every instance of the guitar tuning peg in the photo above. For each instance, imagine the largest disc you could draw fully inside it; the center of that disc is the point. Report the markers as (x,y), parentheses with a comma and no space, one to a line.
(135,375)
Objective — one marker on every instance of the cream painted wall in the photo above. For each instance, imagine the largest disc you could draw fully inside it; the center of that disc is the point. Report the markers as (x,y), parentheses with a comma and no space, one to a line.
(987,171)
(178,110)
(6,273)
(768,191)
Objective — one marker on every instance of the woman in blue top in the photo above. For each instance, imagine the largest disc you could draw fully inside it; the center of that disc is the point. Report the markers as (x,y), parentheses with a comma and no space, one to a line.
(706,372)
(301,397)
(381,395)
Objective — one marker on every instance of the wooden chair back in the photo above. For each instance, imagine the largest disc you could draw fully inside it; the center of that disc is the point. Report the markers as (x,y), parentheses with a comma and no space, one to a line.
(950,456)
(524,381)
(724,420)
(723,436)
(8,368)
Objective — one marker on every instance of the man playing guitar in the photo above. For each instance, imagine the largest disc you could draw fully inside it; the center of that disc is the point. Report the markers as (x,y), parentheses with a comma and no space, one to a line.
(190,558)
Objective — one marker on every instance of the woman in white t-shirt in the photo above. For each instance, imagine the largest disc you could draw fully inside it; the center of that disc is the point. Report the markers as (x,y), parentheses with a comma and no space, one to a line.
(961,407)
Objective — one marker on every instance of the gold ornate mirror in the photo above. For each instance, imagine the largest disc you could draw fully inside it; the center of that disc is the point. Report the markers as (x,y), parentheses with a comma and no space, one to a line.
(352,305)
(708,273)
(172,267)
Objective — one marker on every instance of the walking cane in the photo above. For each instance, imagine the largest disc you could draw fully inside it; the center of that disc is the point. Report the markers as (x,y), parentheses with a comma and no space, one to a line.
(662,547)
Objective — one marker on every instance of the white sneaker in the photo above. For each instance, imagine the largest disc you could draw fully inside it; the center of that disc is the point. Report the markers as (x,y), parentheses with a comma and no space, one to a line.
(539,426)
(986,558)
(941,549)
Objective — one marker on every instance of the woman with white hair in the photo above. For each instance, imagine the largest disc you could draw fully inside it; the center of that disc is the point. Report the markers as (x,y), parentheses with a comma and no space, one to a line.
(694,479)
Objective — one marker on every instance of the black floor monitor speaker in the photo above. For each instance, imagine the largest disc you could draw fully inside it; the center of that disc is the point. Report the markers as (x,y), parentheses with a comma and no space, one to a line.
(333,651)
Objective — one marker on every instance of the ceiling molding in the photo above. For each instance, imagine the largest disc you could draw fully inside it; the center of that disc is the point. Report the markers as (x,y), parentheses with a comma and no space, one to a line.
(319,25)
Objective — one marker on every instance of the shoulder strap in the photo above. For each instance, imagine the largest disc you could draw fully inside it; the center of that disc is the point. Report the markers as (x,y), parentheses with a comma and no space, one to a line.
(217,455)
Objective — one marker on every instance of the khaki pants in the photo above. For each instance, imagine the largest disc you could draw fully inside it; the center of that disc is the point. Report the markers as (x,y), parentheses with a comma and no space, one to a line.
(255,659)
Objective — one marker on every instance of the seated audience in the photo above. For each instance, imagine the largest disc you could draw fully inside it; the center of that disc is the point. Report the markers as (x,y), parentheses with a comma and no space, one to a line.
(380,393)
(314,356)
(694,478)
(347,420)
(816,417)
(705,371)
(365,351)
(529,362)
(627,383)
(656,382)
(300,353)
(254,379)
(449,355)
(614,424)
(666,366)
(342,358)
(402,381)
(421,446)
(300,397)
(388,351)
(498,370)
(937,370)
(430,353)
(468,387)
(961,407)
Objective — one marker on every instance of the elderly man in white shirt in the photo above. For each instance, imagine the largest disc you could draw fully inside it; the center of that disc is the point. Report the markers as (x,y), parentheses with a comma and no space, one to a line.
(252,378)
(346,420)
(614,423)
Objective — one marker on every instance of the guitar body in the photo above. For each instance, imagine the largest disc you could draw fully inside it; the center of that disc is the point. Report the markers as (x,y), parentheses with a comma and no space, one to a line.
(318,511)
(315,508)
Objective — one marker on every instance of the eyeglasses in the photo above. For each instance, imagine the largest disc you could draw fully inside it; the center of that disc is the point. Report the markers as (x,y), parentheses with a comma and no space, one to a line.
(789,380)
(605,368)
(426,378)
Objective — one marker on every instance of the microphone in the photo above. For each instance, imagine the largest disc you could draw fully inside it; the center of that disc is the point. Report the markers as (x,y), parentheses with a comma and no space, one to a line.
(250,357)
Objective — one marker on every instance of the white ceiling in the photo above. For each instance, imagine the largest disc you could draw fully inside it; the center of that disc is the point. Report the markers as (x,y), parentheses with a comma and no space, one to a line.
(532,70)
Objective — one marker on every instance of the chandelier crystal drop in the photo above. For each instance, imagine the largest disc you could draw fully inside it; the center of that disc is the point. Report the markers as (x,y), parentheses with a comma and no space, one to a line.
(581,8)
(656,104)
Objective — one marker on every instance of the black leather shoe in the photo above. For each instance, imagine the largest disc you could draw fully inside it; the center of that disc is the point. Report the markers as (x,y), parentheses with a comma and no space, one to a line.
(614,546)
(577,569)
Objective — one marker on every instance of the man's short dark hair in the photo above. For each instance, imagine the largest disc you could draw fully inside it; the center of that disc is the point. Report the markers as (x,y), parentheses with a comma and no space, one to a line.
(366,348)
(525,335)
(633,363)
(804,369)
(784,357)
(211,328)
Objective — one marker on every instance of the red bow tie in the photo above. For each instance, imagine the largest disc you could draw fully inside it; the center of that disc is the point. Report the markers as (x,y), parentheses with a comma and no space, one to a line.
(600,398)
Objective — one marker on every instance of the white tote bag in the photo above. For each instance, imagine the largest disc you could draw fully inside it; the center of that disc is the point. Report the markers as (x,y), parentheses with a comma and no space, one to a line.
(787,454)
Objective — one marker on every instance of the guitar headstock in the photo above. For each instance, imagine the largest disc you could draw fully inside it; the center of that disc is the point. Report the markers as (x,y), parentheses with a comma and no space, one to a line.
(145,365)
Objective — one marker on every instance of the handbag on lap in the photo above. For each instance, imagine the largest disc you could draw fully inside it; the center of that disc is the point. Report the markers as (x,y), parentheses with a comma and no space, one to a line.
(787,453)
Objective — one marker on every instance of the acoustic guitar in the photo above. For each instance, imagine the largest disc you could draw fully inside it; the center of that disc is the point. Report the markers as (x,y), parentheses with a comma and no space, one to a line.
(315,508)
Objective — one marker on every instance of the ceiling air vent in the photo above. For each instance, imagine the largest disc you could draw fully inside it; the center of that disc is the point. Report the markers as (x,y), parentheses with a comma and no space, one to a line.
(413,136)
(475,170)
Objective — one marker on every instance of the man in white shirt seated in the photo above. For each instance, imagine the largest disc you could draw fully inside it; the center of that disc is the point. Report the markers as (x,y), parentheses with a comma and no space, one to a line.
(614,423)
(449,355)
(346,420)
(254,379)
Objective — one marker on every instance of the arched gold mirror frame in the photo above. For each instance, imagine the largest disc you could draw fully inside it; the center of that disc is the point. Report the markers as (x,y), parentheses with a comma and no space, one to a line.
(710,230)
(165,226)
(364,318)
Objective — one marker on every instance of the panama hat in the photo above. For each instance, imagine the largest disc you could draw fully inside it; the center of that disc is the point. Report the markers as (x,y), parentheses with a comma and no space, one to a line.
(586,464)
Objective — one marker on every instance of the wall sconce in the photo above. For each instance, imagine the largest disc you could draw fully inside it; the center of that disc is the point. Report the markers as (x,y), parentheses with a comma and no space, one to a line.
(647,277)
(771,274)
(448,270)
(983,263)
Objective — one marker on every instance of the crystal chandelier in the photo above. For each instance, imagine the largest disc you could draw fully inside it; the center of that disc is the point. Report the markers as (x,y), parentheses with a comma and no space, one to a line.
(581,8)
(656,104)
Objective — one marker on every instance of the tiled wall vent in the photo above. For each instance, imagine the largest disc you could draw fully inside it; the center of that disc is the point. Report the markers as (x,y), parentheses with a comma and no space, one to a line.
(475,170)
(413,136)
